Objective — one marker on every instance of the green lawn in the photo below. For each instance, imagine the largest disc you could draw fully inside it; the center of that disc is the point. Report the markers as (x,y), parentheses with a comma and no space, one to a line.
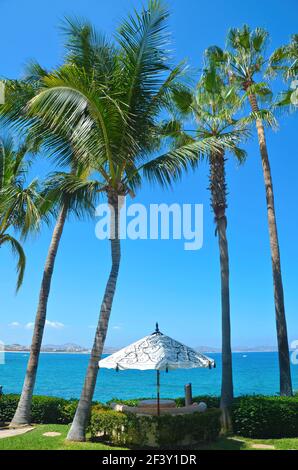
(34,440)
(243,443)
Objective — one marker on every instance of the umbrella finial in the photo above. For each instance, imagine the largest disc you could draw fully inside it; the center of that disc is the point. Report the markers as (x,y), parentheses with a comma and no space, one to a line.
(156,332)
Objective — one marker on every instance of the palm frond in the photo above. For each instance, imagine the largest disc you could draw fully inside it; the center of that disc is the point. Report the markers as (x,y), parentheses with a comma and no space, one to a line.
(88,49)
(13,112)
(19,200)
(284,60)
(144,59)
(34,73)
(72,105)
(169,167)
(76,189)
(264,115)
(19,252)
(261,90)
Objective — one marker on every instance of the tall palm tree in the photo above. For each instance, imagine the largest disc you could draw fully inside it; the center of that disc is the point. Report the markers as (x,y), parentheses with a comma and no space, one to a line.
(244,61)
(19,203)
(108,98)
(64,193)
(214,106)
(71,193)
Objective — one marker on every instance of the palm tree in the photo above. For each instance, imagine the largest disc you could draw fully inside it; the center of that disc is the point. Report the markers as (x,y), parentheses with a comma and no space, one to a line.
(214,109)
(18,203)
(107,99)
(64,193)
(214,106)
(71,193)
(244,61)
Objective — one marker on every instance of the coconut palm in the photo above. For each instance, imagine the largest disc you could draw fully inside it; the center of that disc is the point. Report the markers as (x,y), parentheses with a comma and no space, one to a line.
(244,61)
(19,203)
(214,106)
(107,99)
(70,193)
(64,194)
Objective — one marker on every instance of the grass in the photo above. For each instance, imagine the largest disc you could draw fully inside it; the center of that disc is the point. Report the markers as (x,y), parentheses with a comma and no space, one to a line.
(244,443)
(34,440)
(281,444)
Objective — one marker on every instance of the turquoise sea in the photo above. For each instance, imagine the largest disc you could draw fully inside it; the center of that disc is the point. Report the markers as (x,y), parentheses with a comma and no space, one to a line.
(62,375)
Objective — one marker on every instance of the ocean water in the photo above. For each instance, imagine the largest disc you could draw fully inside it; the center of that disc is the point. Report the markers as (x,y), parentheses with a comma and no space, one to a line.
(62,375)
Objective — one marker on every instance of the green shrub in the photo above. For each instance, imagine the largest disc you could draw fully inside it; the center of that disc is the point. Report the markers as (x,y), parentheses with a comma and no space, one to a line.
(46,410)
(256,416)
(253,416)
(106,423)
(8,405)
(166,430)
(259,416)
(265,417)
(200,426)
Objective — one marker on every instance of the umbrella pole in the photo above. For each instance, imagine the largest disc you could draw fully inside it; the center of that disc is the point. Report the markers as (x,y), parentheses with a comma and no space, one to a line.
(158,392)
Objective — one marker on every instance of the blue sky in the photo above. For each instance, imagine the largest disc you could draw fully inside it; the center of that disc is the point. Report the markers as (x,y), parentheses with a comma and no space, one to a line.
(159,280)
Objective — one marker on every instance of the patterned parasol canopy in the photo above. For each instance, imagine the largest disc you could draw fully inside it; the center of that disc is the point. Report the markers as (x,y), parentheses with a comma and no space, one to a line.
(156,351)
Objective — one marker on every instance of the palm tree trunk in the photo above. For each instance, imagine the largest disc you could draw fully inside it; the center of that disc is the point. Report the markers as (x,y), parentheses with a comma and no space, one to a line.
(281,323)
(78,427)
(22,415)
(218,202)
(227,375)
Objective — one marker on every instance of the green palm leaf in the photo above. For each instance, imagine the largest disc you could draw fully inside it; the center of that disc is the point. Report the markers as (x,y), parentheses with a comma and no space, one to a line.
(19,252)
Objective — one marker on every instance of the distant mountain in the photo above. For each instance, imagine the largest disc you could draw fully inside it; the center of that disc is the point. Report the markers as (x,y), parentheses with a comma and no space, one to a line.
(256,349)
(211,349)
(15,347)
(67,348)
(74,348)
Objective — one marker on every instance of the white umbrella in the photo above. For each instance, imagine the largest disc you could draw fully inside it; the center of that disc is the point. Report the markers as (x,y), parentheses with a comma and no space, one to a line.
(159,352)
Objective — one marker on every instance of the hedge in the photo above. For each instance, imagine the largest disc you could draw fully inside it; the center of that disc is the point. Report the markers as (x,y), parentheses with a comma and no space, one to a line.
(154,431)
(256,416)
(265,417)
(46,410)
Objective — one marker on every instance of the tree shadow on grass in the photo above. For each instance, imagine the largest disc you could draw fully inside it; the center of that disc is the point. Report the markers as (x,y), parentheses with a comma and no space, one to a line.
(223,443)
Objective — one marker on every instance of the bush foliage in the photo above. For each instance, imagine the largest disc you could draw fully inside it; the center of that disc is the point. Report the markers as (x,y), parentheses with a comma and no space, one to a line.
(45,410)
(166,430)
(256,416)
(253,416)
(266,417)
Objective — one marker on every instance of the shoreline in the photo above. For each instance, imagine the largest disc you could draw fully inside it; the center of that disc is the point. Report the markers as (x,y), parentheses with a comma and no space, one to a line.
(48,352)
(27,351)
